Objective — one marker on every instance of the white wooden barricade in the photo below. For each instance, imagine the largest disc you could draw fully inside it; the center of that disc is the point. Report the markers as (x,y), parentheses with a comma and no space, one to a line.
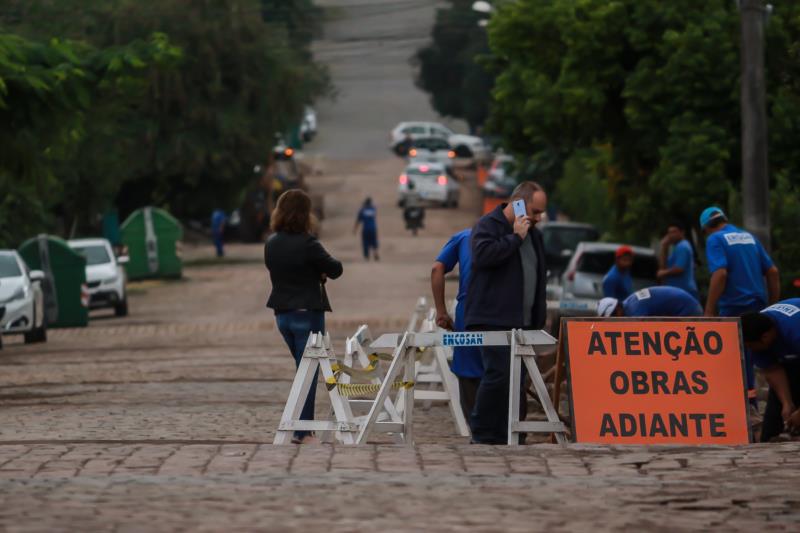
(524,345)
(420,311)
(319,354)
(436,372)
(355,353)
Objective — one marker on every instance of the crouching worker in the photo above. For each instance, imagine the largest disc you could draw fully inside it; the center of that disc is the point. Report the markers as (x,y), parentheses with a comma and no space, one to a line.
(654,301)
(774,337)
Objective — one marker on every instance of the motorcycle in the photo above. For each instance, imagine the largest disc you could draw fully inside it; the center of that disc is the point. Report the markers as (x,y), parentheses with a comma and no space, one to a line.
(414,214)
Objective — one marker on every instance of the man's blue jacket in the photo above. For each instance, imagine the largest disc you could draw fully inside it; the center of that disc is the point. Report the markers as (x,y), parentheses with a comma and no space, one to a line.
(495,290)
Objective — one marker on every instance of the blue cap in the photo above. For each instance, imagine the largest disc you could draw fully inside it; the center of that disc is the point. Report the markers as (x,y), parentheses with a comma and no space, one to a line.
(710,213)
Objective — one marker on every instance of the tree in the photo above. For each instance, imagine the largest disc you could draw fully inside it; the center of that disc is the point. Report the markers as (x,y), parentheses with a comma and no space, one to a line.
(200,118)
(52,94)
(449,69)
(655,83)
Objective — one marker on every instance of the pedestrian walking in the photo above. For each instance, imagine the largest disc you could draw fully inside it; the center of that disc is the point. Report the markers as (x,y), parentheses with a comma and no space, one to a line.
(676,269)
(774,337)
(507,289)
(467,364)
(652,301)
(743,277)
(298,268)
(618,282)
(368,219)
(218,222)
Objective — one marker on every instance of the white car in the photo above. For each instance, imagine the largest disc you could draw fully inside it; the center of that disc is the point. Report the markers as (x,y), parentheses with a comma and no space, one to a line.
(21,299)
(430,182)
(431,150)
(105,275)
(466,146)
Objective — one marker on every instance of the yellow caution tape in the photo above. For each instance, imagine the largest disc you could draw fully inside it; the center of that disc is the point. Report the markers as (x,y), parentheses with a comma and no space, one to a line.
(349,390)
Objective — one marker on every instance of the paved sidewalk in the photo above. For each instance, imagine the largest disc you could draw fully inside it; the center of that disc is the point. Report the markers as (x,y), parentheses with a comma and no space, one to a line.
(215,487)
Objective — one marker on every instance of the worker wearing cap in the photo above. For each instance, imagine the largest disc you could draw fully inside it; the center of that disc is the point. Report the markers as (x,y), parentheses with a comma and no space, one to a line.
(618,283)
(774,337)
(653,301)
(739,266)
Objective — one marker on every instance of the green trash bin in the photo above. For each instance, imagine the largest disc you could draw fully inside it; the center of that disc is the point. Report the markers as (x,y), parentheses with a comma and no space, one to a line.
(66,295)
(153,238)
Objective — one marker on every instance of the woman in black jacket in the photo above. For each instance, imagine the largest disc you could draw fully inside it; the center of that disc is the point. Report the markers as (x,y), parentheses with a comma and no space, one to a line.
(298,268)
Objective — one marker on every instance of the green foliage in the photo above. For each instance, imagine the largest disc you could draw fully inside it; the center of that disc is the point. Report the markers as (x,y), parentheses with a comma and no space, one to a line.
(170,103)
(654,83)
(785,215)
(448,68)
(582,191)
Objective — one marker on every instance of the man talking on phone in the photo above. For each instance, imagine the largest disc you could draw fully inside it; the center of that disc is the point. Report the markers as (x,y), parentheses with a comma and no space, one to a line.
(507,290)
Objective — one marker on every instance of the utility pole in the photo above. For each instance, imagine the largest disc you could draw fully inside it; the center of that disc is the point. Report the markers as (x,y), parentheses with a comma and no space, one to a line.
(755,171)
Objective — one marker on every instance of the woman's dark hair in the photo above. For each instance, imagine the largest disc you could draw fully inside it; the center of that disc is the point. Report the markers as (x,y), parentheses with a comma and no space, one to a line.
(293,213)
(754,325)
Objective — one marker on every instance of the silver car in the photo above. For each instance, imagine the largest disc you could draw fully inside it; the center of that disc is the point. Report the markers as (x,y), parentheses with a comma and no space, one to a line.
(430,183)
(582,281)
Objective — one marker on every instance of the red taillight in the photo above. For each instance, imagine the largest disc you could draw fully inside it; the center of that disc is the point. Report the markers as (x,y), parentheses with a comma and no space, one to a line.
(796,283)
(571,275)
(424,168)
(403,179)
(412,152)
(288,152)
(442,180)
(451,154)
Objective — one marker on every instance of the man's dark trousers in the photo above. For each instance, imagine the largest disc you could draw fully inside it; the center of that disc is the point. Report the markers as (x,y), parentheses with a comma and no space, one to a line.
(773,420)
(489,420)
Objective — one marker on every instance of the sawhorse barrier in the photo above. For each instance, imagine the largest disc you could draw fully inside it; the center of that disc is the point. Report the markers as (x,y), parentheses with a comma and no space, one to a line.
(523,345)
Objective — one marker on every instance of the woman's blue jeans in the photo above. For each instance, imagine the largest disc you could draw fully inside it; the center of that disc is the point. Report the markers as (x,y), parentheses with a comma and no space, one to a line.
(296,326)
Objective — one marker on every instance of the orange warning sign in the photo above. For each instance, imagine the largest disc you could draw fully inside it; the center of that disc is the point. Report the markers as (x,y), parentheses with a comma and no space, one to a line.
(657,381)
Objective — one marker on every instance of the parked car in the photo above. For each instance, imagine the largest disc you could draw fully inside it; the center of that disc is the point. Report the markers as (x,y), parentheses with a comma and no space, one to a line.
(431,150)
(308,127)
(105,275)
(582,283)
(22,307)
(503,165)
(561,240)
(465,146)
(431,182)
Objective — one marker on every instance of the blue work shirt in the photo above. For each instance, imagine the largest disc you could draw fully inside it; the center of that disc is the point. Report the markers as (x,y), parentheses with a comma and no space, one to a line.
(682,256)
(458,251)
(368,218)
(617,284)
(746,261)
(218,219)
(661,301)
(786,317)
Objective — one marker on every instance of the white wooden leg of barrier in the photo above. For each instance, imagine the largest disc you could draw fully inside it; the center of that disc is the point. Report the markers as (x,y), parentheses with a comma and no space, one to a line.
(398,363)
(514,392)
(297,397)
(450,384)
(526,354)
(544,397)
(340,405)
(408,412)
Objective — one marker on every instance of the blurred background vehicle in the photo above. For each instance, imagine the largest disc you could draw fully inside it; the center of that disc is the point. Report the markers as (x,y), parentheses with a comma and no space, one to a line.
(501,177)
(431,182)
(561,239)
(464,146)
(105,275)
(582,282)
(431,150)
(22,306)
(308,127)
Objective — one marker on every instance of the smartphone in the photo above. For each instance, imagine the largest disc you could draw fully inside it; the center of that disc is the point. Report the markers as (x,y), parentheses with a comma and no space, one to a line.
(519,208)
